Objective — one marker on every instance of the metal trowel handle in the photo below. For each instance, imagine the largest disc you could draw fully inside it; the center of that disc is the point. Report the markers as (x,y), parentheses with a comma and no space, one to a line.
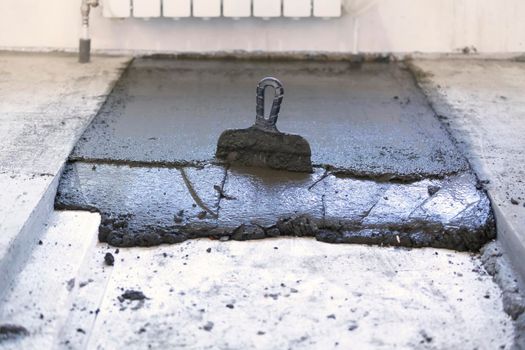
(260,121)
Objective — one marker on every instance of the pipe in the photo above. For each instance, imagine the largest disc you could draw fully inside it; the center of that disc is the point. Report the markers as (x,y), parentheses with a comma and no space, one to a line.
(84,46)
(356,8)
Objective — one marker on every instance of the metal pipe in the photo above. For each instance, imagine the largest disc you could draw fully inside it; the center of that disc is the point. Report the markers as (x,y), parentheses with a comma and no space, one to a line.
(84,47)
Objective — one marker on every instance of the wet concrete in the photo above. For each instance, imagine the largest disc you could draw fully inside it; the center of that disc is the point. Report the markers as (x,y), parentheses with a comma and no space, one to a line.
(365,121)
(144,206)
(147,206)
(385,170)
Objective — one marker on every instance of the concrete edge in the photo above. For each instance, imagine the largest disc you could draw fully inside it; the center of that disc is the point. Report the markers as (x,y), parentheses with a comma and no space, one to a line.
(82,271)
(508,235)
(21,247)
(512,244)
(25,240)
(289,55)
(513,298)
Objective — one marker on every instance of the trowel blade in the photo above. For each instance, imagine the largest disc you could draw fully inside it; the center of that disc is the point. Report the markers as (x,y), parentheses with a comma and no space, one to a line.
(260,148)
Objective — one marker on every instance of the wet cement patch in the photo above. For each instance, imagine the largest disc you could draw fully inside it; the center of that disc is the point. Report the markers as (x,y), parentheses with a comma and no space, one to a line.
(370,121)
(145,206)
(386,171)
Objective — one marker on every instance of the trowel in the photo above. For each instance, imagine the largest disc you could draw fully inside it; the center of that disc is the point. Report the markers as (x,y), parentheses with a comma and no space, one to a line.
(262,145)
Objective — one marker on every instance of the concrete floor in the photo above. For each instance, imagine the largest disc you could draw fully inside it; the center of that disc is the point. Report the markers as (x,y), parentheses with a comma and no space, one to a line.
(401,298)
(288,293)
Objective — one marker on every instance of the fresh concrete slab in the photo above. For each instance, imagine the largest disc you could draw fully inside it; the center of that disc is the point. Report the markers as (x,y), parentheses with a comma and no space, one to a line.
(38,298)
(368,125)
(144,206)
(47,101)
(147,205)
(262,197)
(483,106)
(368,120)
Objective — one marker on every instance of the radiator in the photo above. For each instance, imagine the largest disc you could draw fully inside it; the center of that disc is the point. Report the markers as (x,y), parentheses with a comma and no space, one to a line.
(221,8)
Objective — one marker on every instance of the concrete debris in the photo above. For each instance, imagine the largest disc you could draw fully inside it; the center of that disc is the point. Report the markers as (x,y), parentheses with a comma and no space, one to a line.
(132,295)
(11,331)
(109,259)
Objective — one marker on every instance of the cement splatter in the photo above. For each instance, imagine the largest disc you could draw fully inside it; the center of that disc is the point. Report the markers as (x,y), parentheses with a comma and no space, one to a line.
(133,295)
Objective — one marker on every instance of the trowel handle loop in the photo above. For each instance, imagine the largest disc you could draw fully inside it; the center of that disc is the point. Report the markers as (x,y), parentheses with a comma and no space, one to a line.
(260,120)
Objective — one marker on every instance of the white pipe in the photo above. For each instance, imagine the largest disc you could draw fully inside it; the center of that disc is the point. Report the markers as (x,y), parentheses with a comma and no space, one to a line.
(356,9)
(84,10)
(355,50)
(84,46)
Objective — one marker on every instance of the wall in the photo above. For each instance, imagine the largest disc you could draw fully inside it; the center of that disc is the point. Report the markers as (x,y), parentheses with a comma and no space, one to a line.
(427,26)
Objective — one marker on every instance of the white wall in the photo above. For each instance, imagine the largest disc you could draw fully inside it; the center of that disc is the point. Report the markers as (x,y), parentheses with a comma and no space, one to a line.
(386,26)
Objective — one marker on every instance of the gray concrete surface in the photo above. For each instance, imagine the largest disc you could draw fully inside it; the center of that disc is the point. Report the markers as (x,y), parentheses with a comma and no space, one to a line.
(145,206)
(483,106)
(369,121)
(278,293)
(46,102)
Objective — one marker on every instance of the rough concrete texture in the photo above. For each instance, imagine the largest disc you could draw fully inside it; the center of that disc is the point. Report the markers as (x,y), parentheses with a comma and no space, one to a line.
(46,102)
(498,265)
(40,297)
(278,293)
(149,206)
(483,105)
(519,330)
(369,120)
(301,295)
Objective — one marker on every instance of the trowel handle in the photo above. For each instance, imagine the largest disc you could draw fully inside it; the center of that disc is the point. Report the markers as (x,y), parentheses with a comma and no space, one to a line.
(260,120)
